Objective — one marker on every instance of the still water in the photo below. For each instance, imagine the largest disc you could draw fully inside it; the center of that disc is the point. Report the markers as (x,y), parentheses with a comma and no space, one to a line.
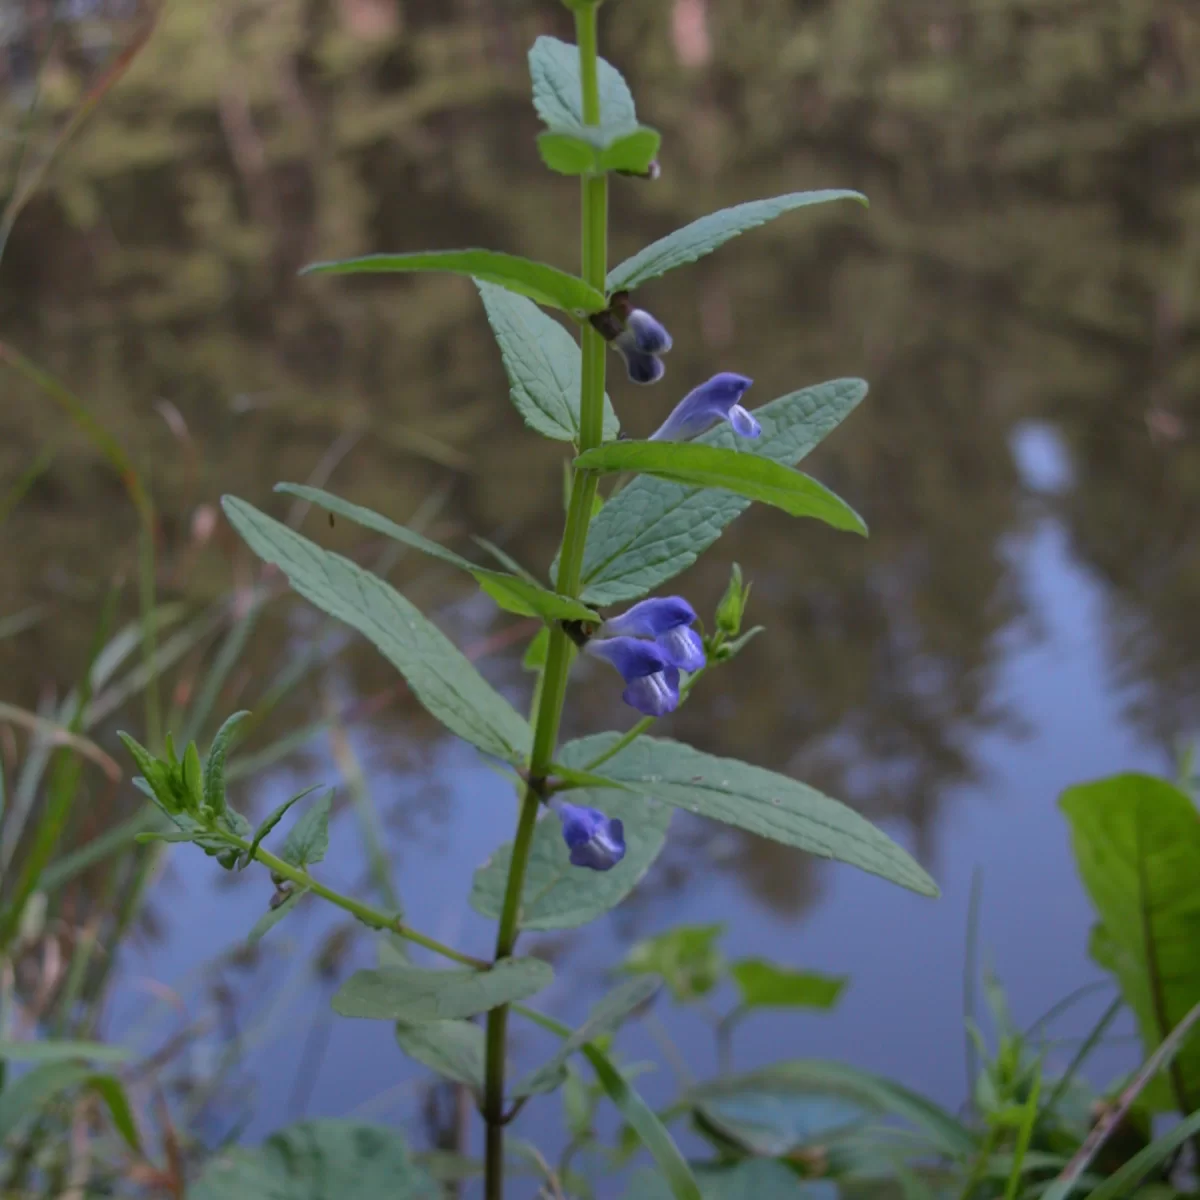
(1020,296)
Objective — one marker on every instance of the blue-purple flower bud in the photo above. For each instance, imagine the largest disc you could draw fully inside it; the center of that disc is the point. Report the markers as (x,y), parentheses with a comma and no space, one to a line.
(595,841)
(668,620)
(716,400)
(652,681)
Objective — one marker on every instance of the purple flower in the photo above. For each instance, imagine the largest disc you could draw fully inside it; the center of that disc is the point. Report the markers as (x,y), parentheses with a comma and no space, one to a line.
(669,622)
(652,681)
(595,841)
(716,400)
(640,343)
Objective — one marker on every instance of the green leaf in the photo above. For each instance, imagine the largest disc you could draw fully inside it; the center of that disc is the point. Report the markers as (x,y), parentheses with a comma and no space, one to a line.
(751,798)
(265,828)
(214,764)
(748,475)
(439,675)
(534,657)
(27,1096)
(516,595)
(539,281)
(543,364)
(557,895)
(809,1077)
(686,958)
(418,994)
(651,530)
(193,777)
(1137,841)
(454,1049)
(751,1179)
(318,1160)
(60,1050)
(558,97)
(273,916)
(309,837)
(766,985)
(1122,1181)
(591,150)
(369,519)
(606,1017)
(773,1123)
(703,236)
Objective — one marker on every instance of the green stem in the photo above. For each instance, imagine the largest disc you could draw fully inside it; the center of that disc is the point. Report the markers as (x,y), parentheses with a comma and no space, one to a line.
(570,569)
(373,917)
(635,731)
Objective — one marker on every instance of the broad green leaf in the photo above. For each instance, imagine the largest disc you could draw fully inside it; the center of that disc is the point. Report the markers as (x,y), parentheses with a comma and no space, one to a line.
(606,1017)
(748,475)
(438,673)
(60,1050)
(705,235)
(809,1077)
(308,840)
(273,916)
(751,798)
(557,96)
(687,958)
(557,895)
(595,149)
(772,1123)
(651,529)
(751,1179)
(370,519)
(318,1160)
(516,595)
(451,1048)
(214,764)
(764,984)
(1137,842)
(274,819)
(543,365)
(539,281)
(511,593)
(417,994)
(26,1097)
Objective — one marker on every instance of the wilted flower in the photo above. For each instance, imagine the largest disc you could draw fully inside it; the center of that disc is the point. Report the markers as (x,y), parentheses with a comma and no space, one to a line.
(716,400)
(668,620)
(652,680)
(595,841)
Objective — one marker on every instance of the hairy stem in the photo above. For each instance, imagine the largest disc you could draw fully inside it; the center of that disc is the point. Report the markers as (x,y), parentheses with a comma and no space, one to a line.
(559,653)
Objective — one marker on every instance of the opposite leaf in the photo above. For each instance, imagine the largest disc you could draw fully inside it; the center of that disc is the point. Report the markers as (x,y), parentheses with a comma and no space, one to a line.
(438,673)
(703,236)
(516,595)
(539,281)
(454,1049)
(558,97)
(751,798)
(418,994)
(748,475)
(273,916)
(308,840)
(543,364)
(271,821)
(557,895)
(651,530)
(606,1017)
(764,984)
(214,764)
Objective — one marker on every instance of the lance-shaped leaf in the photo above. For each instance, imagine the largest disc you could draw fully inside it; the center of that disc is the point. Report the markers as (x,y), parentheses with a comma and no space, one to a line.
(438,673)
(558,97)
(558,895)
(214,764)
(751,798)
(273,819)
(317,1160)
(308,840)
(539,281)
(651,529)
(607,1016)
(1137,842)
(748,475)
(543,364)
(703,236)
(511,592)
(417,994)
(454,1049)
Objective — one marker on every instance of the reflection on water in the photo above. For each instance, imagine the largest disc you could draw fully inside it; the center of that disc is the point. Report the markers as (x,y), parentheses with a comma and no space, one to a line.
(1023,614)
